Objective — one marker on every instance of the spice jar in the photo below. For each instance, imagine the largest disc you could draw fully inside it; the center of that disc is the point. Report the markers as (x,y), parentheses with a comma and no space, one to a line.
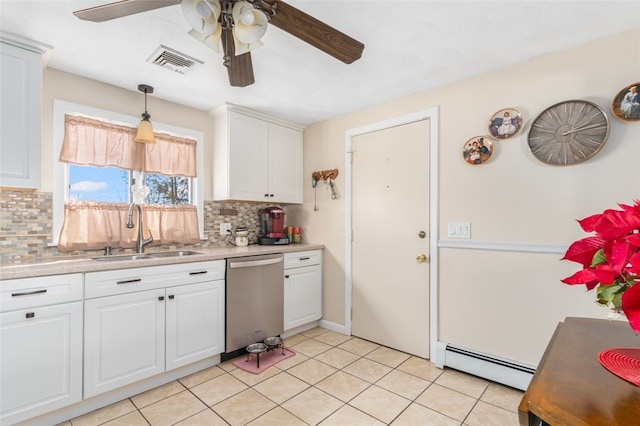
(297,236)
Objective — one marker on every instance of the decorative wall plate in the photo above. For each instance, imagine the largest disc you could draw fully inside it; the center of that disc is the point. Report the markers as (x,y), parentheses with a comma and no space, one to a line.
(505,123)
(477,150)
(626,104)
(568,132)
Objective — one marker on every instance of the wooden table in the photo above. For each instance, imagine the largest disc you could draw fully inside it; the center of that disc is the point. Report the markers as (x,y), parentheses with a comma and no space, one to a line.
(571,387)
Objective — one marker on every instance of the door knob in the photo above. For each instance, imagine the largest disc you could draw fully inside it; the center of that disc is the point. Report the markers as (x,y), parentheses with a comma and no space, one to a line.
(422,258)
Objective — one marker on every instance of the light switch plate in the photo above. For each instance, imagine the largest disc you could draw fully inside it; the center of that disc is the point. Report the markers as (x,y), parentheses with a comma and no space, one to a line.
(459,230)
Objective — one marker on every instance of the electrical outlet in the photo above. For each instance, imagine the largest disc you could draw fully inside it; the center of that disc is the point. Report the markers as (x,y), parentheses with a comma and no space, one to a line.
(225,228)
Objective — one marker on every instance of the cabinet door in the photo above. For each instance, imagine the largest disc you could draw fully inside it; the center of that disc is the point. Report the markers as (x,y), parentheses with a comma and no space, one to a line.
(40,360)
(195,322)
(124,340)
(20,115)
(248,153)
(285,164)
(302,296)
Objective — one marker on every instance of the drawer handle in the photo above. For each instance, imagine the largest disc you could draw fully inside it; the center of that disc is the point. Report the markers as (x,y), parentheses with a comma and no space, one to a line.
(28,293)
(286,276)
(135,280)
(197,273)
(304,258)
(171,296)
(30,315)
(161,298)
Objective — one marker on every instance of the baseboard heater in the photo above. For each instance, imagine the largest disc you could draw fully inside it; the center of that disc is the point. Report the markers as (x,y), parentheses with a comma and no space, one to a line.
(495,369)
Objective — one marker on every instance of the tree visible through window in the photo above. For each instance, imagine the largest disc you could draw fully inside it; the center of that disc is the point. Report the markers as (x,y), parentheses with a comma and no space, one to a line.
(169,190)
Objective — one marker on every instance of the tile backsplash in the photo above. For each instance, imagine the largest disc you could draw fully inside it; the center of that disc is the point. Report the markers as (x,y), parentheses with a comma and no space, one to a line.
(26,225)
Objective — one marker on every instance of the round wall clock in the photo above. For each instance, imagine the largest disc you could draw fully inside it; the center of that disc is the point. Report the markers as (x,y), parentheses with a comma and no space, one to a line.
(568,132)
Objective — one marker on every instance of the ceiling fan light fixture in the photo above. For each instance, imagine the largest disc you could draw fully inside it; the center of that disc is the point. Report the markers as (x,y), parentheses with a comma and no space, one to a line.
(213,41)
(250,24)
(145,128)
(202,15)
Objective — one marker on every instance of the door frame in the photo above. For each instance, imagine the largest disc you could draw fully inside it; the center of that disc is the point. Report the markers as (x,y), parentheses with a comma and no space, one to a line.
(432,115)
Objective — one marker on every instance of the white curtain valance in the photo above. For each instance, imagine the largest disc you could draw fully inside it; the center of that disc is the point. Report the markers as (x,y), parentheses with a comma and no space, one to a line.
(89,141)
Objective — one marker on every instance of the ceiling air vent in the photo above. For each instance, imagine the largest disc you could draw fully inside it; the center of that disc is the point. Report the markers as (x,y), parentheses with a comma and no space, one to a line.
(171,59)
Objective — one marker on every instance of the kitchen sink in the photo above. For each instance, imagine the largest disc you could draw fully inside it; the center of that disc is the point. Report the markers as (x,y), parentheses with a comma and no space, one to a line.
(122,257)
(172,253)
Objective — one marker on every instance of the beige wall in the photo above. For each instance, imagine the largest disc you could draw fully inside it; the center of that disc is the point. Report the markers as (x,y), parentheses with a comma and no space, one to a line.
(504,303)
(73,88)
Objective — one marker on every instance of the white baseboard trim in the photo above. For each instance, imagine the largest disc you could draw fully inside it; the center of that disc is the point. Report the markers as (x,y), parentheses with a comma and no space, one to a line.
(332,326)
(299,329)
(107,398)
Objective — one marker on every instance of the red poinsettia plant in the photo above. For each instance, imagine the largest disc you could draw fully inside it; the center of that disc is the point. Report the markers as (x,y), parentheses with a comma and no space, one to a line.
(610,259)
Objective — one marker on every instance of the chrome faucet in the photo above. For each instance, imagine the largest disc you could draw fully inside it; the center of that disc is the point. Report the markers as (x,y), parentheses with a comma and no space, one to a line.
(140,241)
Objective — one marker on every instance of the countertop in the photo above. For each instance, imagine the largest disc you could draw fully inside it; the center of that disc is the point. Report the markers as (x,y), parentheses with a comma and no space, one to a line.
(71,265)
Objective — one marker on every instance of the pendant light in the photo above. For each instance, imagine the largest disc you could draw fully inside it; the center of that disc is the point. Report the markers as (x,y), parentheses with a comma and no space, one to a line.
(145,129)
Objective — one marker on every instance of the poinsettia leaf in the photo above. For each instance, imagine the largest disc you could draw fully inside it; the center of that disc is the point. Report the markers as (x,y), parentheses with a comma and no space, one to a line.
(607,293)
(588,223)
(605,274)
(582,251)
(620,252)
(634,239)
(598,258)
(615,224)
(631,306)
(634,264)
(584,276)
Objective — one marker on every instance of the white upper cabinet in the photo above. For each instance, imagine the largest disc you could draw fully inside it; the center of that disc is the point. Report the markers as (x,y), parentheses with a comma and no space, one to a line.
(256,158)
(20,112)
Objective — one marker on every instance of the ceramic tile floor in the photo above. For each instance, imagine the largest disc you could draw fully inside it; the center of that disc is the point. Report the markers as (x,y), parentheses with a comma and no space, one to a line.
(332,380)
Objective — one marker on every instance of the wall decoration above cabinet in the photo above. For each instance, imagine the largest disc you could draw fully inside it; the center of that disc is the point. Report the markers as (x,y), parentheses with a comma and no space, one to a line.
(568,132)
(477,150)
(256,157)
(626,104)
(506,123)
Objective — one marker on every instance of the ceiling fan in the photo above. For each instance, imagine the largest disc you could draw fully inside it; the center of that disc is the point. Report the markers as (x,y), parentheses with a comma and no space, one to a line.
(237,26)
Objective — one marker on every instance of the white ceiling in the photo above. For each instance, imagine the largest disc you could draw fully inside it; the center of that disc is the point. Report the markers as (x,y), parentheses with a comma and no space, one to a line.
(410,46)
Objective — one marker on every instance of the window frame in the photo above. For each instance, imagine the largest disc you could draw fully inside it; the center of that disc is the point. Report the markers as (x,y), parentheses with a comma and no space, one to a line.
(61,171)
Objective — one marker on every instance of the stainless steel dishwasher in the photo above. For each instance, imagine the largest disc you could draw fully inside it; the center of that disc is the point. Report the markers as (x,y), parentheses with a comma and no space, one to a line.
(255,300)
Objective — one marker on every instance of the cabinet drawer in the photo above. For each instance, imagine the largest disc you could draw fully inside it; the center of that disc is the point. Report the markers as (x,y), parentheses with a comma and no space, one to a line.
(40,291)
(109,283)
(302,258)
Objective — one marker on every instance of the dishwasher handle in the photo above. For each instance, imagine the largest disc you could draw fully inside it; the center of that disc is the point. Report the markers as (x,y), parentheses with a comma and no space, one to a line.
(254,263)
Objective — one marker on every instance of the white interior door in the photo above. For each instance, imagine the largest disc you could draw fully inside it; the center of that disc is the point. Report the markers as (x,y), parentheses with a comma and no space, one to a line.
(390,247)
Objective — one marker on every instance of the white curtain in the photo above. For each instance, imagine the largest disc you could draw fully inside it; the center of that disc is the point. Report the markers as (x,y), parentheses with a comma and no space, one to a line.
(94,225)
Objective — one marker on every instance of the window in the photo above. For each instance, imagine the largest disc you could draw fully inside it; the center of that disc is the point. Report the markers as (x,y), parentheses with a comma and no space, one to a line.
(113,185)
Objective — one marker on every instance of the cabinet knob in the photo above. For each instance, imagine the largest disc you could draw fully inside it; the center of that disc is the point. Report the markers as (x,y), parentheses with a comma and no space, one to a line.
(286,276)
(160,298)
(171,296)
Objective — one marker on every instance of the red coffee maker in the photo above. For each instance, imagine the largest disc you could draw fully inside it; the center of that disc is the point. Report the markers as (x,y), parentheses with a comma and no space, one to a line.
(272,226)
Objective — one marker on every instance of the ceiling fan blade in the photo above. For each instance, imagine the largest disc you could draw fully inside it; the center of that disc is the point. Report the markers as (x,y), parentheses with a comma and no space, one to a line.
(122,8)
(316,33)
(239,68)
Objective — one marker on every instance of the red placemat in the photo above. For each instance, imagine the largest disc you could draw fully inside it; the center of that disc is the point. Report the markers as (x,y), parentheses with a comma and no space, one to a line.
(623,362)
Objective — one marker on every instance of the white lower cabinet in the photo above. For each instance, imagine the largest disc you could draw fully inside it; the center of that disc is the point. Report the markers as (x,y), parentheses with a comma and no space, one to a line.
(123,340)
(195,329)
(302,288)
(40,345)
(144,321)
